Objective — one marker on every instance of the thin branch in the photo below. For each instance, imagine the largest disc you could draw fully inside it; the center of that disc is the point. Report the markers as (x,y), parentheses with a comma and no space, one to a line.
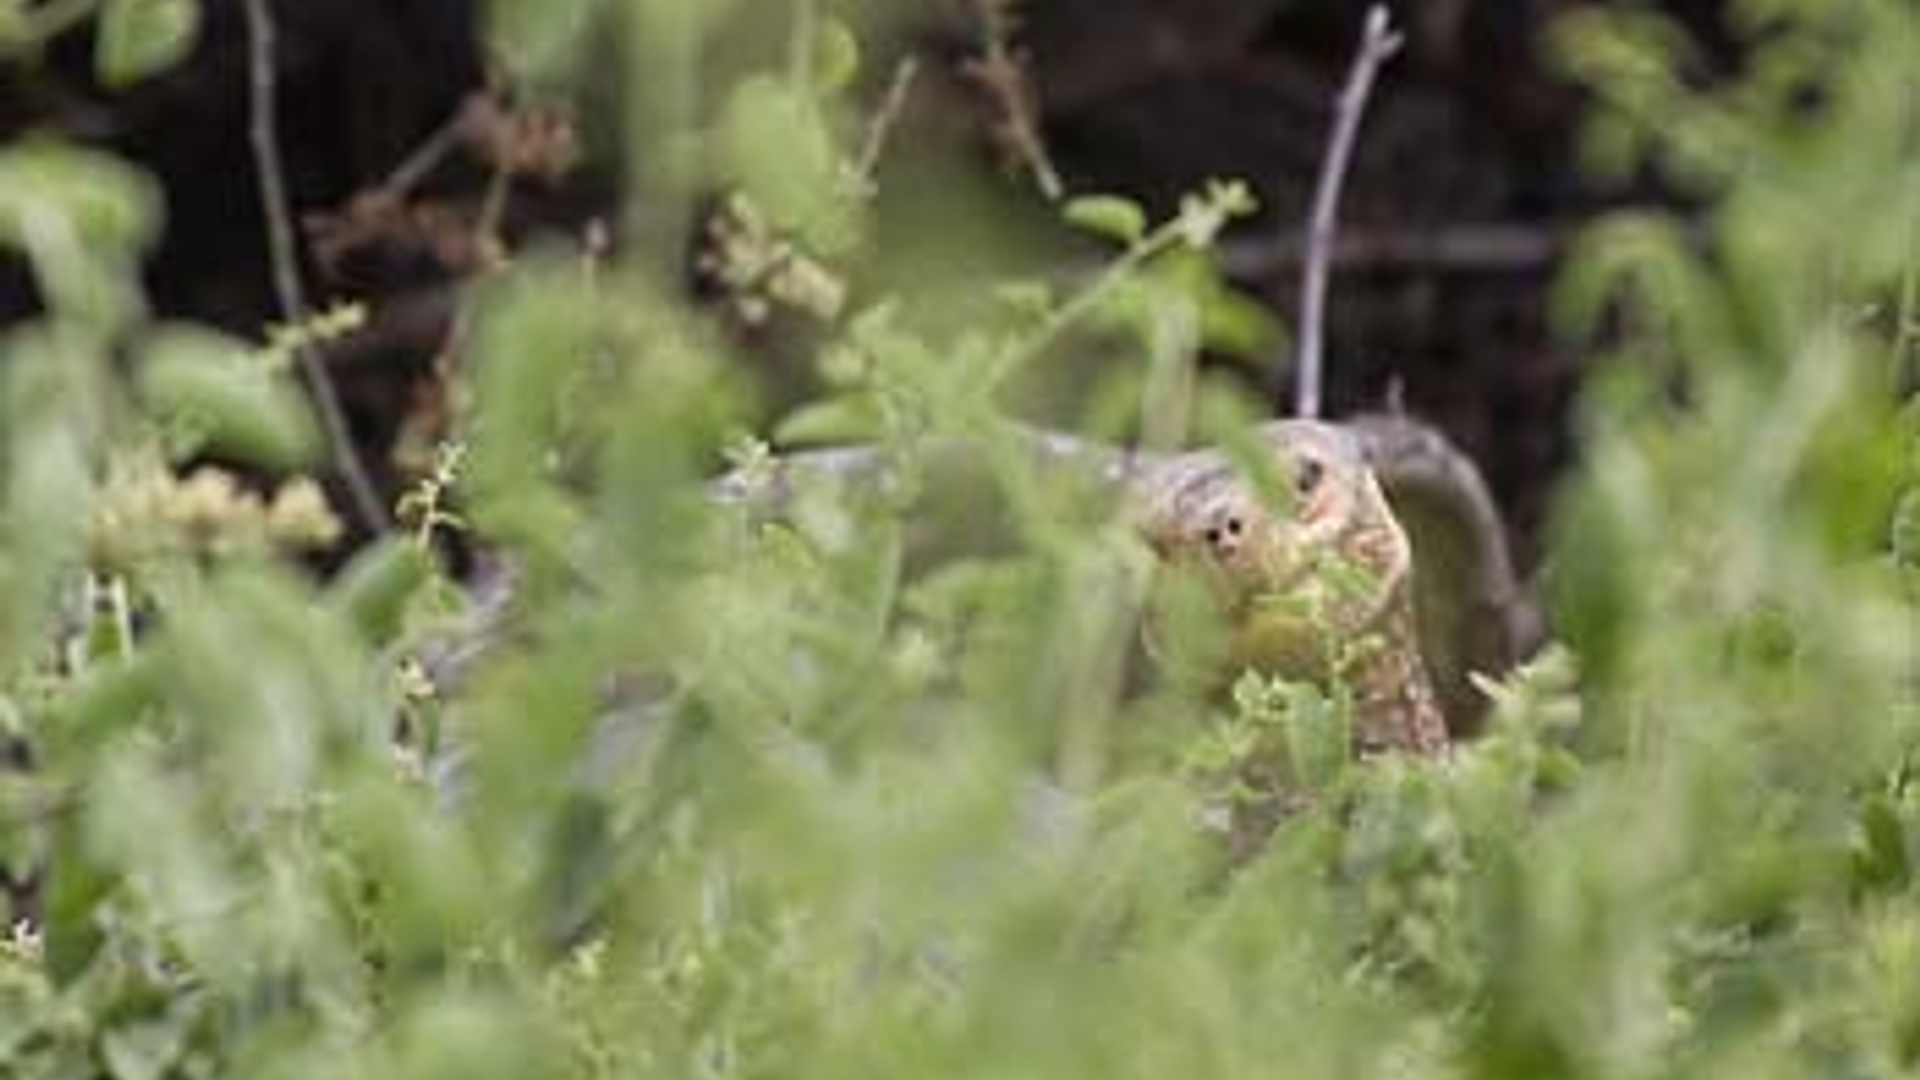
(1095,291)
(1378,43)
(875,144)
(1000,72)
(283,260)
(264,133)
(437,146)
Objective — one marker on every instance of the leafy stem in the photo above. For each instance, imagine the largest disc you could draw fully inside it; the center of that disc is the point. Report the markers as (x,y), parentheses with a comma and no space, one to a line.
(1199,222)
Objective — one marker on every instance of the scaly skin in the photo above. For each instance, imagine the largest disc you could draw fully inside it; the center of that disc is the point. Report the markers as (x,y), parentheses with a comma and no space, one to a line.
(1314,584)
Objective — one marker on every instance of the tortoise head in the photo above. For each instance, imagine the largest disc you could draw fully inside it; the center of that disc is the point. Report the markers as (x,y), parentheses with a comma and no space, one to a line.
(1298,561)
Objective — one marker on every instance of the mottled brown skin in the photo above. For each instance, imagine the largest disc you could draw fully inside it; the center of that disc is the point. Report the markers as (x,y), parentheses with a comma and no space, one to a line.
(1315,583)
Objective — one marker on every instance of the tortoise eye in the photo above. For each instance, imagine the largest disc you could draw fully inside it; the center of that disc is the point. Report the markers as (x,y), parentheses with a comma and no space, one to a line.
(1223,533)
(1306,480)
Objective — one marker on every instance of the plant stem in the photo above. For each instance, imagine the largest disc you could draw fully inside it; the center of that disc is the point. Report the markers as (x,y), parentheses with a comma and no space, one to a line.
(1378,43)
(1089,297)
(283,262)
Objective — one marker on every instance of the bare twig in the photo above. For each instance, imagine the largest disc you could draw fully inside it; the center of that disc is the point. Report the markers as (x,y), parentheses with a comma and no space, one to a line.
(999,71)
(875,144)
(264,132)
(1378,43)
(493,214)
(283,259)
(439,143)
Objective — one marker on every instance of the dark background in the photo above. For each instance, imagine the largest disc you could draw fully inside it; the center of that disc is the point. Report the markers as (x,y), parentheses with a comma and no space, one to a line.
(1464,192)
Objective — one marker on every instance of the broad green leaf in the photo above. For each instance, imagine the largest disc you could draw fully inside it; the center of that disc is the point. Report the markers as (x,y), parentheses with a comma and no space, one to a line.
(837,56)
(82,219)
(1111,216)
(45,432)
(850,418)
(216,390)
(376,587)
(140,38)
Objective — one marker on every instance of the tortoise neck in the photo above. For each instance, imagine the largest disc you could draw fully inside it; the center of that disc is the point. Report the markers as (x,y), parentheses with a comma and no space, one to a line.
(1394,703)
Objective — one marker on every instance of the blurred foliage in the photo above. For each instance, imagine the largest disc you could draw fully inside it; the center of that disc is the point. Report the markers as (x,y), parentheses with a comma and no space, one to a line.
(815,797)
(133,39)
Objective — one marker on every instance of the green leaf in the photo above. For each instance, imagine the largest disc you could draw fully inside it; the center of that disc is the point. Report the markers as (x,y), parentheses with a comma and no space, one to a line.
(105,701)
(140,38)
(836,56)
(1203,216)
(1318,735)
(82,219)
(220,392)
(375,589)
(147,1049)
(1111,216)
(1906,533)
(778,147)
(1880,858)
(845,419)
(102,199)
(540,37)
(16,29)
(47,487)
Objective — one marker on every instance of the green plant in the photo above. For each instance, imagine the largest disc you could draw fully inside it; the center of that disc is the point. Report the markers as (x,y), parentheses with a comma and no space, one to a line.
(738,798)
